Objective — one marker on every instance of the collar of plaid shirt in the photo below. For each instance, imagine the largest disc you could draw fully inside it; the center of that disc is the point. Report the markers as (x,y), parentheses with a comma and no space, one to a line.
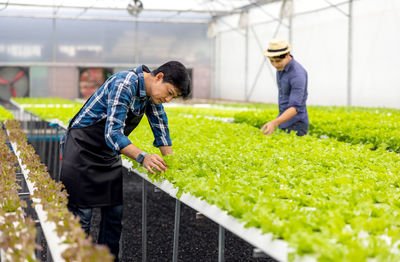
(139,71)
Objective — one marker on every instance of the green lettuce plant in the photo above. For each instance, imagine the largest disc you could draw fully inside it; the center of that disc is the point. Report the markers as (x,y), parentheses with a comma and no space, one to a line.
(53,198)
(332,200)
(17,232)
(372,127)
(5,114)
(324,197)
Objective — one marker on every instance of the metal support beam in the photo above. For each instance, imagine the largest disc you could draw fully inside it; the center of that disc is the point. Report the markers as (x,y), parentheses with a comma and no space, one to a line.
(231,28)
(221,244)
(31,128)
(218,67)
(56,158)
(336,7)
(248,94)
(349,53)
(39,238)
(59,162)
(121,8)
(43,142)
(256,78)
(290,18)
(103,18)
(49,157)
(136,41)
(246,62)
(213,43)
(323,8)
(280,21)
(144,221)
(176,230)
(290,37)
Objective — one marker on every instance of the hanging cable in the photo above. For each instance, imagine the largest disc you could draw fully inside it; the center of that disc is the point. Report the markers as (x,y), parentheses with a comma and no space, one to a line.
(85,9)
(58,7)
(336,7)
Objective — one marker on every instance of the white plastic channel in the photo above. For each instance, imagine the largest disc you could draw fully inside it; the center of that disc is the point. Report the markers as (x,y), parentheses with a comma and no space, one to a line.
(54,242)
(278,249)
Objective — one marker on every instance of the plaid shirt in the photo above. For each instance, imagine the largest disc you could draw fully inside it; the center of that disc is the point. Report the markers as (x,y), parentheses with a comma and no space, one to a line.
(121,92)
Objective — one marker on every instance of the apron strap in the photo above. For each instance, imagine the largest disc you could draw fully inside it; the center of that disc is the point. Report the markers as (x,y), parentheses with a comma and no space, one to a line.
(64,139)
(73,119)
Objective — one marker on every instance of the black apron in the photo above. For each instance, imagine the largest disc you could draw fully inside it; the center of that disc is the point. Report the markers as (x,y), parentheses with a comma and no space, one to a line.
(90,170)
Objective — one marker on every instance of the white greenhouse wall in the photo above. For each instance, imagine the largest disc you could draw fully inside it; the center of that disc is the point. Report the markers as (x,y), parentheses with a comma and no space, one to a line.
(231,72)
(376,64)
(320,44)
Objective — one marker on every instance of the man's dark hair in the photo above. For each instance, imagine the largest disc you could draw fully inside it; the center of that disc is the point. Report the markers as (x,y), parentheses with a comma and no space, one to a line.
(281,56)
(177,75)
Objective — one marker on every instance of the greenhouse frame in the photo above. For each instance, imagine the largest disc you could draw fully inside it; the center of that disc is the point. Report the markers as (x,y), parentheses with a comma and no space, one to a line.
(332,195)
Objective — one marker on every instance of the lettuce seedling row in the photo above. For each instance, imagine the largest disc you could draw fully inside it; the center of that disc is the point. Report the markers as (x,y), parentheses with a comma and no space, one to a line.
(65,237)
(17,233)
(275,248)
(326,199)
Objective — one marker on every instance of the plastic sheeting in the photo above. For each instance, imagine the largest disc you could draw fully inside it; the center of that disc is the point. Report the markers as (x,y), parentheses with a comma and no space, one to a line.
(319,41)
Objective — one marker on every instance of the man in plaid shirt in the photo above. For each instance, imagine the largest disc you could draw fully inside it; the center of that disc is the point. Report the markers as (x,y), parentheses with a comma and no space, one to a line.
(91,164)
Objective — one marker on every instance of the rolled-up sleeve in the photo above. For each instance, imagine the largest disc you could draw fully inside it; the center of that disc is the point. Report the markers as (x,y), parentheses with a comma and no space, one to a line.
(118,102)
(297,93)
(159,124)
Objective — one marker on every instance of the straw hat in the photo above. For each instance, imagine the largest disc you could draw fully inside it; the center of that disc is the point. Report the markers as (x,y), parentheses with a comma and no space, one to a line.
(277,47)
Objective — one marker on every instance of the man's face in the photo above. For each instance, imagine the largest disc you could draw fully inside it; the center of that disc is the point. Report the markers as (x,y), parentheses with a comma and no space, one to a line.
(163,92)
(279,63)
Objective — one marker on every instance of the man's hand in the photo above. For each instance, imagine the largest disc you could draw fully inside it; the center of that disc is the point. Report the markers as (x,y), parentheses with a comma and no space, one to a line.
(150,162)
(269,128)
(154,163)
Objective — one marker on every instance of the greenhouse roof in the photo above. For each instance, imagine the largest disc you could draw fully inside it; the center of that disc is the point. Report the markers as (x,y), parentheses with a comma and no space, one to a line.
(175,11)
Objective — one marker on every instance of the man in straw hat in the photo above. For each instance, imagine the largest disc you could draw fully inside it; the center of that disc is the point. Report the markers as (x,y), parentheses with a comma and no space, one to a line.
(292,85)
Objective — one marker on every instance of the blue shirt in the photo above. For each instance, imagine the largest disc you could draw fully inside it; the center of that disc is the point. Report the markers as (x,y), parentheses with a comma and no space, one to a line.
(121,92)
(292,86)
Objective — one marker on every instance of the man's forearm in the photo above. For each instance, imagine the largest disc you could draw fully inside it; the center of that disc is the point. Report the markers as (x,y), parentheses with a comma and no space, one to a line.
(269,127)
(286,116)
(165,150)
(131,151)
